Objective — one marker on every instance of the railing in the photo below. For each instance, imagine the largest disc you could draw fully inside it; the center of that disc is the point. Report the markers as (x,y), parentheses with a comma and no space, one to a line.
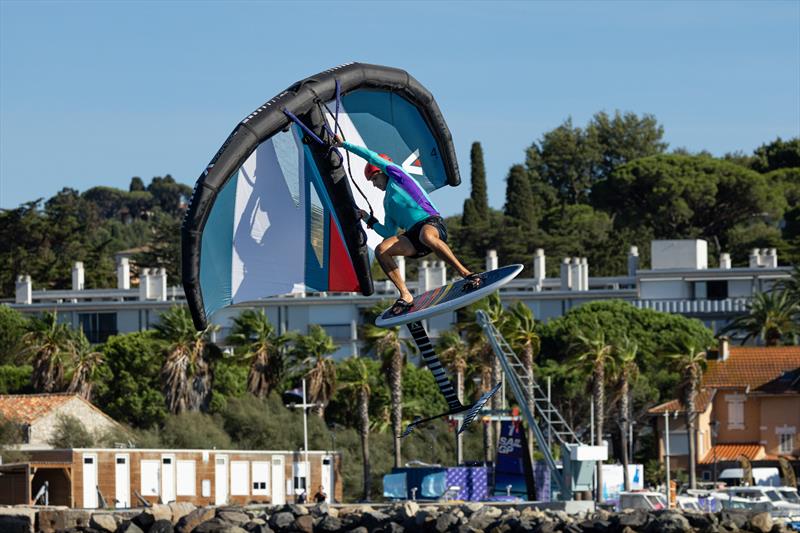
(730,305)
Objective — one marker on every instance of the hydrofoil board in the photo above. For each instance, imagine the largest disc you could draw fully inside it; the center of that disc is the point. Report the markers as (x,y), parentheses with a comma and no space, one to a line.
(449,297)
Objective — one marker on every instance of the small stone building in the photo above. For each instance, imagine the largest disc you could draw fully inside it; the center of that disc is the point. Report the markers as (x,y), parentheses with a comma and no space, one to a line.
(127,477)
(38,414)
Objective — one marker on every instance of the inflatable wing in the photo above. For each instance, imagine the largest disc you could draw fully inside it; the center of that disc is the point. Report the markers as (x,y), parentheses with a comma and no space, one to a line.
(274,209)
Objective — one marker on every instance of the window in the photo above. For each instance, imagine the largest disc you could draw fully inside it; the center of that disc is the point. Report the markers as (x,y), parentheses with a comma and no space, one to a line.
(98,327)
(717,290)
(338,332)
(735,411)
(240,478)
(786,439)
(186,478)
(300,473)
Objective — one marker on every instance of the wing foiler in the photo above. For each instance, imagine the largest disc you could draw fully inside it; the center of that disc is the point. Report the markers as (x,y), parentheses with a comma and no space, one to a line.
(274,210)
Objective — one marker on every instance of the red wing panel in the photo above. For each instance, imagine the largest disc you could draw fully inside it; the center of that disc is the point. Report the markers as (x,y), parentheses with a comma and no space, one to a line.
(341,275)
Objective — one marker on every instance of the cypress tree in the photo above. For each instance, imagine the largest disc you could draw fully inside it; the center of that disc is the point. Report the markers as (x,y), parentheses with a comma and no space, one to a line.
(520,207)
(476,208)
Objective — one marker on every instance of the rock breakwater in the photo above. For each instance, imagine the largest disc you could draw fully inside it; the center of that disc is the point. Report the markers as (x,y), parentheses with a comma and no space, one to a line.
(394,518)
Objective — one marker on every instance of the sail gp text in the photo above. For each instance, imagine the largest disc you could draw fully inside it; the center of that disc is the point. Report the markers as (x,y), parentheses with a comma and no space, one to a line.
(508,444)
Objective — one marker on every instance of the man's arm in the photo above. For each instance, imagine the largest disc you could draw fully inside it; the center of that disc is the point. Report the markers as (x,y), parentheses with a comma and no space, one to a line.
(368,155)
(385,230)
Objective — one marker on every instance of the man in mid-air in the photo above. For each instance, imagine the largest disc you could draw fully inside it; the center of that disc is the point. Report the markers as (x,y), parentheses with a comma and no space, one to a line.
(406,206)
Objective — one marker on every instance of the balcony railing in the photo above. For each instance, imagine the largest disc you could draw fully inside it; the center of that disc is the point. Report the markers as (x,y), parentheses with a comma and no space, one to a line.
(729,305)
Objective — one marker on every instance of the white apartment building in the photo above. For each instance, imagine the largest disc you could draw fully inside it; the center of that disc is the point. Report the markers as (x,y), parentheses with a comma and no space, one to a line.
(678,281)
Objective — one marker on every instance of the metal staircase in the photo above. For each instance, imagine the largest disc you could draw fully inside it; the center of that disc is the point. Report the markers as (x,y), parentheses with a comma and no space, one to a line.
(577,458)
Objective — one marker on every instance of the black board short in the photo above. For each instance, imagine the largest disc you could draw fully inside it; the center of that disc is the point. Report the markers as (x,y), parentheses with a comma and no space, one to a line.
(412,234)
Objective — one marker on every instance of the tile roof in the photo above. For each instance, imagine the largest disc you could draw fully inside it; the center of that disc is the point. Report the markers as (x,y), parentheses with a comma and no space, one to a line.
(27,408)
(766,368)
(704,397)
(731,452)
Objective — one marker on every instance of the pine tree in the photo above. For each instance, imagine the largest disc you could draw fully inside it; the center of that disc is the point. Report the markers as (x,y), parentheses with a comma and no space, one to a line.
(476,207)
(519,206)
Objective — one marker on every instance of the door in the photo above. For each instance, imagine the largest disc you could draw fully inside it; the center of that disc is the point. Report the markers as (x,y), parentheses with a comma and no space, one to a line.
(327,477)
(167,478)
(220,479)
(90,481)
(278,480)
(122,480)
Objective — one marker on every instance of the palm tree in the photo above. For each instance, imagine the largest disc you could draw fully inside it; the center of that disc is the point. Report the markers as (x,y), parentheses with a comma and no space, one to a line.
(521,333)
(481,350)
(310,356)
(50,346)
(357,382)
(454,353)
(772,315)
(690,359)
(791,285)
(186,373)
(591,352)
(85,366)
(388,346)
(624,361)
(261,346)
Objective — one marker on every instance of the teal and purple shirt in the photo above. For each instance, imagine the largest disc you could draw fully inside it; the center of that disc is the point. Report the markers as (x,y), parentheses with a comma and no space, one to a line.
(405,202)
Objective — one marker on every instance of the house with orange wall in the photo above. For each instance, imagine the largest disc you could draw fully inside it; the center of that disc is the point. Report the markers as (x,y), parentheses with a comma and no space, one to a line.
(748,406)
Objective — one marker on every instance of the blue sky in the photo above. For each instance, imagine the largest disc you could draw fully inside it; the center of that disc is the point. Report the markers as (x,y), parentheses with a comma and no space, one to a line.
(93,93)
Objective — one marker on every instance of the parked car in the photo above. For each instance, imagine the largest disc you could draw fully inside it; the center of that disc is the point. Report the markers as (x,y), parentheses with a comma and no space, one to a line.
(766,499)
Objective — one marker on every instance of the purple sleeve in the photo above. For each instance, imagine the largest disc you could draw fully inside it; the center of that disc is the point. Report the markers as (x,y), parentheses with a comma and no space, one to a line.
(412,188)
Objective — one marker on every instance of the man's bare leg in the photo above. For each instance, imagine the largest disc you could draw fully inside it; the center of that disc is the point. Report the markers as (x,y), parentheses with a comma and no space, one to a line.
(429,236)
(385,253)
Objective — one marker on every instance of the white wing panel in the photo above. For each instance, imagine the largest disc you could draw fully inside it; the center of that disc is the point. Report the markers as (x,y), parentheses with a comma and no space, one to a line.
(269,221)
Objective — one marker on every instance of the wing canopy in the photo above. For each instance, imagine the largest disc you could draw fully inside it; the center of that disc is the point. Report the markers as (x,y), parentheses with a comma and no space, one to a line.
(274,212)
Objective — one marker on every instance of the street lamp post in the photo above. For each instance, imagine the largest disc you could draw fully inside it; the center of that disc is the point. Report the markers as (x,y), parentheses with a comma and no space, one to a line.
(666,451)
(304,406)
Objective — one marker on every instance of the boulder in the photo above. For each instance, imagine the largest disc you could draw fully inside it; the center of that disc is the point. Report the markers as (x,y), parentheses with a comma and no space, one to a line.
(215,525)
(701,521)
(297,510)
(17,519)
(738,518)
(409,509)
(632,518)
(374,519)
(320,509)
(669,522)
(761,523)
(128,526)
(160,511)
(161,526)
(445,521)
(102,522)
(179,510)
(144,520)
(233,517)
(471,507)
(194,519)
(304,524)
(52,519)
(393,527)
(359,529)
(281,520)
(329,523)
(253,527)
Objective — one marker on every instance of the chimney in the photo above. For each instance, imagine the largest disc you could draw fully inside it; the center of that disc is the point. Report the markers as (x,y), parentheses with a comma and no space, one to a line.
(755,258)
(24,290)
(633,261)
(424,277)
(724,348)
(77,276)
(491,260)
(123,273)
(575,270)
(725,261)
(566,274)
(584,274)
(438,274)
(144,284)
(401,266)
(770,258)
(159,284)
(539,268)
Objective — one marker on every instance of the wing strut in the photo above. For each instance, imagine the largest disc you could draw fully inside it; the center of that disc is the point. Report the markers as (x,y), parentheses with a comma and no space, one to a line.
(433,363)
